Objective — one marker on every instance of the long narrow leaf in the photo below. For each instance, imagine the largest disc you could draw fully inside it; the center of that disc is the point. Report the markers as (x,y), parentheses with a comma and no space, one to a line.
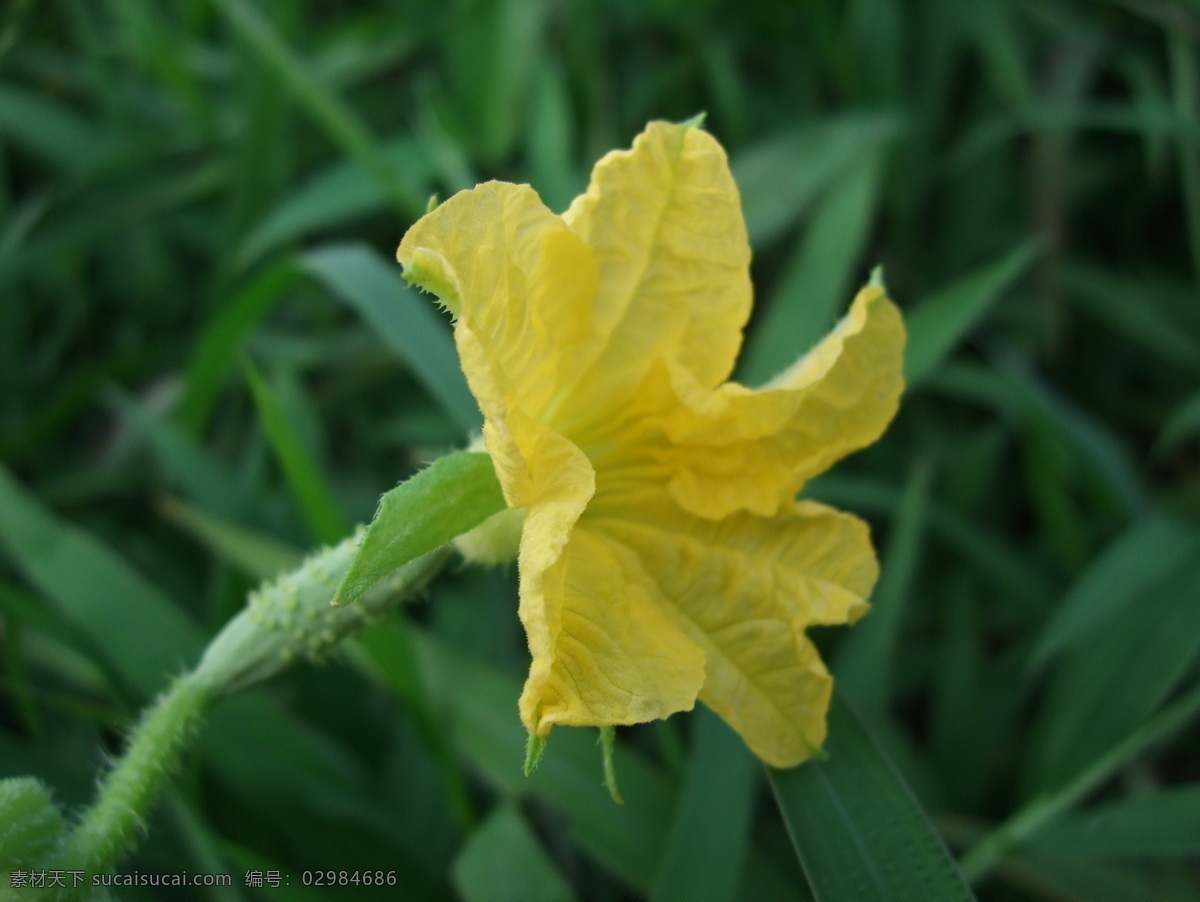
(941,322)
(325,518)
(326,107)
(858,830)
(404,321)
(818,280)
(706,847)
(504,862)
(137,626)
(1150,548)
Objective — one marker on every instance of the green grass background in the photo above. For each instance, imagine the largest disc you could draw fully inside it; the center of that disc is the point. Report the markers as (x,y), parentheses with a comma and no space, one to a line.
(208,364)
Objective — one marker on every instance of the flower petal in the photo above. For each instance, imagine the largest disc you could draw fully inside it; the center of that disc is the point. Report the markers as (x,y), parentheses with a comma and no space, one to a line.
(743,449)
(745,589)
(521,284)
(665,222)
(604,652)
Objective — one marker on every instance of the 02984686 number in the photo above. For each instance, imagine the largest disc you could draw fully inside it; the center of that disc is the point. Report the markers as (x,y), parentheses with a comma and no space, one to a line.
(348,878)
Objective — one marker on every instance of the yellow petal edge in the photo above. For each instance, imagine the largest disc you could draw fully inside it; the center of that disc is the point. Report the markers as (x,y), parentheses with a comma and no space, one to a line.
(663,557)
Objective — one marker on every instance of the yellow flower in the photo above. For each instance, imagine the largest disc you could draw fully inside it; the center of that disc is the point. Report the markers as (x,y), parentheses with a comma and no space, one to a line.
(663,555)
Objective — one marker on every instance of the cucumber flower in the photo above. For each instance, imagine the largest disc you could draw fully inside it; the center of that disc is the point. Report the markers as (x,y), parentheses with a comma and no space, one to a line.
(663,555)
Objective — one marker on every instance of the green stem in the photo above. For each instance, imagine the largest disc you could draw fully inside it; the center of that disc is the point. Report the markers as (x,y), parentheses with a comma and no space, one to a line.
(285,621)
(991,851)
(108,829)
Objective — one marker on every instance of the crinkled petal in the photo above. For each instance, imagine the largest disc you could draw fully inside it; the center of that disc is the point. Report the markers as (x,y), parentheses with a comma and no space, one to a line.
(742,449)
(744,589)
(604,651)
(664,220)
(521,283)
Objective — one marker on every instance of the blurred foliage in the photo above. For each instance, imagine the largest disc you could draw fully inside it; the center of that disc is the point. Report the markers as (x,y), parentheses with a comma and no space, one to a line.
(207,363)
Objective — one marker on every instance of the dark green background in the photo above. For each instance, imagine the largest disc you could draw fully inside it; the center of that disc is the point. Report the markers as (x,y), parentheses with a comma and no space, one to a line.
(194,187)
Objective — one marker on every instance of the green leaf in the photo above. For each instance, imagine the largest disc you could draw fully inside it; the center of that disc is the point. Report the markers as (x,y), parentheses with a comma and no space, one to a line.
(51,130)
(150,639)
(1164,824)
(503,861)
(1025,824)
(30,822)
(337,194)
(449,497)
(1112,683)
(402,319)
(781,177)
(479,710)
(710,828)
(867,655)
(857,829)
(1131,309)
(1138,559)
(219,346)
(325,518)
(184,462)
(256,554)
(493,52)
(332,113)
(817,281)
(940,323)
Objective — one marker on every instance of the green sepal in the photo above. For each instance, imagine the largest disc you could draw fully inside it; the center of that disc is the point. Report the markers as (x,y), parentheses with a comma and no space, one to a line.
(608,736)
(535,747)
(447,498)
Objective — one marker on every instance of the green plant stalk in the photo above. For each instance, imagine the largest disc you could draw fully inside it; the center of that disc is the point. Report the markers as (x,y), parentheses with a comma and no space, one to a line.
(992,849)
(108,829)
(283,622)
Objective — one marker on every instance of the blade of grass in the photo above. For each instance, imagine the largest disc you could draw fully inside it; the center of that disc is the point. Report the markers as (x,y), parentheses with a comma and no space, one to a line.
(492,53)
(184,462)
(818,279)
(627,839)
(940,323)
(403,320)
(710,830)
(857,828)
(217,350)
(550,141)
(781,177)
(503,861)
(388,651)
(1109,685)
(142,633)
(52,131)
(1155,545)
(864,663)
(1039,813)
(1110,297)
(321,510)
(257,555)
(1164,824)
(337,194)
(1102,447)
(329,111)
